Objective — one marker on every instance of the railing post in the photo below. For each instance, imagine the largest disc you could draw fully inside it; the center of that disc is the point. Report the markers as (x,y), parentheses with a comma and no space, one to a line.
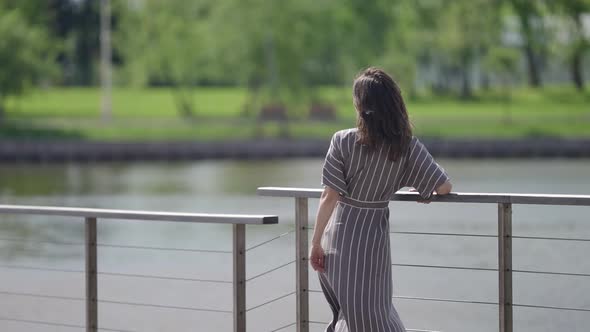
(505,265)
(301,246)
(239,278)
(91,280)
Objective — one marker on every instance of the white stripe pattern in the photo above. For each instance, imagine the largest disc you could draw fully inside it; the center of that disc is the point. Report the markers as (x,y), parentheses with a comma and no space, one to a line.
(357,281)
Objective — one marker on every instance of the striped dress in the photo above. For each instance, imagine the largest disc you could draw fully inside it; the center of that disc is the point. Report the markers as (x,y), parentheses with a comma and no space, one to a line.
(357,279)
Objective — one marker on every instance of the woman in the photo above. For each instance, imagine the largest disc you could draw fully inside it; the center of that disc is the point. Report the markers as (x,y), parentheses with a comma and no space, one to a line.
(364,167)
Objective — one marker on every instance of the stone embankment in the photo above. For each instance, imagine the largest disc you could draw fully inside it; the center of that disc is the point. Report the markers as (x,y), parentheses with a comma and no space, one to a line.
(63,151)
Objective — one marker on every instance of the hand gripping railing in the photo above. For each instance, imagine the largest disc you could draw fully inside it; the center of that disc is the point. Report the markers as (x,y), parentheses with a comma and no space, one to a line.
(90,217)
(504,236)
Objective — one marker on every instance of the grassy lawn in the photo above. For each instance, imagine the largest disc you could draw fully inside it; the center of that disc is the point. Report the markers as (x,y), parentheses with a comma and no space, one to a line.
(150,114)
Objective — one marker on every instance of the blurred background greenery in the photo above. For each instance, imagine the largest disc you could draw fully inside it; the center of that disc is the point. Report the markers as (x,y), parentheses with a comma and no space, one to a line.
(232,69)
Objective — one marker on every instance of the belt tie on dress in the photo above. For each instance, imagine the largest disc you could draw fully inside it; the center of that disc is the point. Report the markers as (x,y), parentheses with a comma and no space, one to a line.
(364,204)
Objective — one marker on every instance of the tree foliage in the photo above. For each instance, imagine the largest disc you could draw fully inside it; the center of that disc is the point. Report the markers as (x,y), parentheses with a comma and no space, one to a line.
(26,54)
(283,50)
(168,43)
(576,36)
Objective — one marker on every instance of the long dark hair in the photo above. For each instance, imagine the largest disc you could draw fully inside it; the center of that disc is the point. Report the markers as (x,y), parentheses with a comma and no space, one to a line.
(382,119)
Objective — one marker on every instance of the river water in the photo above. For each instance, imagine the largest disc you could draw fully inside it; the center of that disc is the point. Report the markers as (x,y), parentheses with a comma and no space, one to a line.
(229,187)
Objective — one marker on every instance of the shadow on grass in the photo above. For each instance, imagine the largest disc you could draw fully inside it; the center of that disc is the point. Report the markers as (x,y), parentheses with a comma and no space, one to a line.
(34,131)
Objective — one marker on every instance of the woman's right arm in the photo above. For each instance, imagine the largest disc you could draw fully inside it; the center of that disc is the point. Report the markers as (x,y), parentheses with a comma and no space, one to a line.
(423,173)
(444,188)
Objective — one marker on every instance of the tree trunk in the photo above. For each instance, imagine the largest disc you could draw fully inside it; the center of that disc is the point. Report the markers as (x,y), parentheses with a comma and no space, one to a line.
(533,69)
(443,80)
(578,55)
(524,16)
(576,68)
(184,102)
(466,90)
(484,81)
(2,111)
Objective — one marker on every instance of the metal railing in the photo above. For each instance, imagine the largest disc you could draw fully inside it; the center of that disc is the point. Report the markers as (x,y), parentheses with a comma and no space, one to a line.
(90,218)
(504,236)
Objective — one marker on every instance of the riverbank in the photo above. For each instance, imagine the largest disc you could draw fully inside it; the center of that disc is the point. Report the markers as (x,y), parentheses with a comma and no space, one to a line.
(93,151)
(144,115)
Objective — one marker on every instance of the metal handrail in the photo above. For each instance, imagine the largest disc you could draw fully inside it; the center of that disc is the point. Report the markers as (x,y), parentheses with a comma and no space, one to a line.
(455,197)
(504,202)
(90,216)
(241,219)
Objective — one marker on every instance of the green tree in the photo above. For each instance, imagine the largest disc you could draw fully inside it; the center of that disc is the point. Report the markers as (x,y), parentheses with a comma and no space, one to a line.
(445,36)
(503,62)
(76,24)
(465,37)
(530,16)
(282,49)
(26,54)
(168,43)
(577,44)
(403,44)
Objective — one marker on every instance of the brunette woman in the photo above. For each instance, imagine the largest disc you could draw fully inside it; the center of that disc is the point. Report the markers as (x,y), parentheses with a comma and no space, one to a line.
(364,167)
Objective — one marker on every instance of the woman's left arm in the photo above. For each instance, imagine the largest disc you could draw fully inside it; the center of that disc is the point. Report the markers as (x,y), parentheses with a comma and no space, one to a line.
(328,201)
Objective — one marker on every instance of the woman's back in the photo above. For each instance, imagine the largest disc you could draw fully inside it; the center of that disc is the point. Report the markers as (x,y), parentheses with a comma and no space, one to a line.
(364,167)
(366,174)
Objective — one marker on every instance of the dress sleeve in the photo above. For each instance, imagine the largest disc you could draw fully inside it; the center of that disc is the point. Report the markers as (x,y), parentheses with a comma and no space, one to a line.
(333,170)
(421,170)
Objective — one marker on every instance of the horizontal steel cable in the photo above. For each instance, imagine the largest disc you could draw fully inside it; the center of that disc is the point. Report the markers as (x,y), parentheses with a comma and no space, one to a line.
(290,232)
(108,245)
(283,327)
(550,307)
(38,322)
(438,234)
(551,238)
(270,301)
(138,304)
(29,321)
(21,267)
(164,248)
(270,240)
(319,322)
(43,241)
(553,273)
(271,270)
(434,299)
(446,267)
(444,234)
(113,302)
(489,235)
(148,276)
(43,296)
